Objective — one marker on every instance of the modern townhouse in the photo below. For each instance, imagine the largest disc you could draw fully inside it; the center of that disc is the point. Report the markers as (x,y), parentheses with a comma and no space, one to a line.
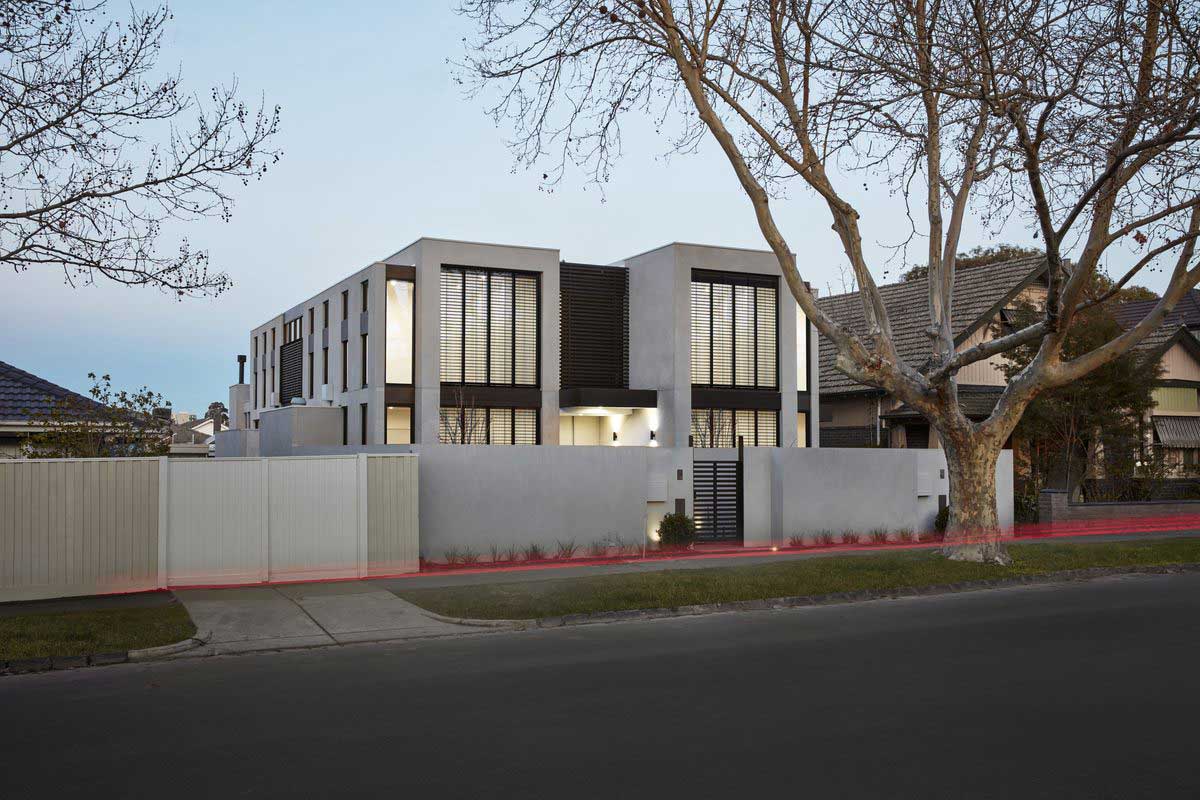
(449,342)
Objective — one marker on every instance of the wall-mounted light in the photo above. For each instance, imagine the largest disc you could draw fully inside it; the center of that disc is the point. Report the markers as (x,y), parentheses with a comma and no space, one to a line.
(653,436)
(614,436)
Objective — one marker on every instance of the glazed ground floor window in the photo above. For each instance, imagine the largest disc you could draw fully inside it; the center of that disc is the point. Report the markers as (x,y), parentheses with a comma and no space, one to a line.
(487,425)
(721,427)
(399,425)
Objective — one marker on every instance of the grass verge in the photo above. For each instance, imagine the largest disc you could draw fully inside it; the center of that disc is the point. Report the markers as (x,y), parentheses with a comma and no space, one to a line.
(813,576)
(76,633)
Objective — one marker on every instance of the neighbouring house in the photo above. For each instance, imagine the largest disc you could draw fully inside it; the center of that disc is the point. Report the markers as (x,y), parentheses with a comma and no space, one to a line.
(1173,425)
(448,342)
(855,415)
(193,437)
(24,399)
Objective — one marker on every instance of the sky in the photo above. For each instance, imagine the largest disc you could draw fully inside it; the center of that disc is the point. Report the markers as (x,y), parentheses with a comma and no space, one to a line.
(380,147)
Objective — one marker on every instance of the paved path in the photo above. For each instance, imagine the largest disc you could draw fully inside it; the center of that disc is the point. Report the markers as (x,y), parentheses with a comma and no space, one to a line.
(305,615)
(1071,691)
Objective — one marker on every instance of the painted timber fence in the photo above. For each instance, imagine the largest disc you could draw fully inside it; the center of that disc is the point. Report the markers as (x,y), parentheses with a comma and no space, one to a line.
(94,526)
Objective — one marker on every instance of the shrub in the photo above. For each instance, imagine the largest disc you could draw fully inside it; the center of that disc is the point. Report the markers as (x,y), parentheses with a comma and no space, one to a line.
(796,541)
(676,530)
(851,537)
(941,522)
(494,552)
(598,548)
(452,556)
(512,553)
(469,556)
(879,536)
(535,552)
(905,536)
(825,538)
(566,549)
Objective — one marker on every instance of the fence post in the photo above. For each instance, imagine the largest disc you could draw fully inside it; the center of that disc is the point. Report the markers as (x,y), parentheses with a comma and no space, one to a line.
(265,519)
(164,518)
(361,474)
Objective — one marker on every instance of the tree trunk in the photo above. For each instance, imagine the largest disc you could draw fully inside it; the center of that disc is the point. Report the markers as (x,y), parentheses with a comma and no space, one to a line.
(973,532)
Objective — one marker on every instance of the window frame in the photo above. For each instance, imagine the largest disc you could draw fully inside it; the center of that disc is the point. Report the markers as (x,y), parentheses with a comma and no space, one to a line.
(412,335)
(411,427)
(463,269)
(487,430)
(754,281)
(733,412)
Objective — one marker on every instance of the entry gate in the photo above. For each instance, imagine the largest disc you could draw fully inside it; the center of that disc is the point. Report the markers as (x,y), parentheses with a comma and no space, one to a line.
(716,500)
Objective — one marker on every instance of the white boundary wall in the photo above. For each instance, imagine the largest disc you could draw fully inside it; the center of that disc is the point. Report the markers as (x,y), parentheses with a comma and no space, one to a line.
(473,497)
(94,526)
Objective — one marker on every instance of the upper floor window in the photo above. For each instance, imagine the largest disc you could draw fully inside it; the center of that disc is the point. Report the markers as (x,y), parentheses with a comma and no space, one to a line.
(734,331)
(489,321)
(399,329)
(324,313)
(291,331)
(366,286)
(345,304)
(801,350)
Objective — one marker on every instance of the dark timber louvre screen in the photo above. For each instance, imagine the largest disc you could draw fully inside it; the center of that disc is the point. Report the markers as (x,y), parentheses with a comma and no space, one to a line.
(594,325)
(291,363)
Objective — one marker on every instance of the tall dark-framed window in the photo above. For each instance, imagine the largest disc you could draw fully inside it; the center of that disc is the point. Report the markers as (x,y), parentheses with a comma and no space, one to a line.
(324,365)
(312,376)
(345,304)
(362,423)
(489,321)
(721,427)
(735,332)
(366,288)
(400,331)
(325,314)
(363,359)
(345,380)
(345,425)
(459,425)
(312,327)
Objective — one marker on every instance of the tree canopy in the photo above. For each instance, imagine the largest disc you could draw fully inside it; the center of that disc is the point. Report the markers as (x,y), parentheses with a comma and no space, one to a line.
(100,151)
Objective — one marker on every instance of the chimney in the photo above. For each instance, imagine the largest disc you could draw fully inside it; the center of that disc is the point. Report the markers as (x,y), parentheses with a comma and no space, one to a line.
(241,369)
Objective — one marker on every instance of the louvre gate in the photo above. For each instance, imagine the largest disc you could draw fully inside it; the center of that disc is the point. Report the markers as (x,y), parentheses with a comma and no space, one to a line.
(716,500)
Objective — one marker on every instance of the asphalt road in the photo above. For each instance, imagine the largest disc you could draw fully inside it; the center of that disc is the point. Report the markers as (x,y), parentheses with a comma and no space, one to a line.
(1079,691)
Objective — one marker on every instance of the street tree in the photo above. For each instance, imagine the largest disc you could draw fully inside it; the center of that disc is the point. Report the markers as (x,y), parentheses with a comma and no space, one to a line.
(107,423)
(99,150)
(1075,118)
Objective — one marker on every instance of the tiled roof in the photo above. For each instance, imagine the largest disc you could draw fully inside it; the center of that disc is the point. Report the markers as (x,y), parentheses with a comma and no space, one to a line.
(1186,312)
(23,394)
(977,291)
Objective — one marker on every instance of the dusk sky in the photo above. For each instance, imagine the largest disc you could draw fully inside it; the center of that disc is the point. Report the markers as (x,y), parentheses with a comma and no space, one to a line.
(380,148)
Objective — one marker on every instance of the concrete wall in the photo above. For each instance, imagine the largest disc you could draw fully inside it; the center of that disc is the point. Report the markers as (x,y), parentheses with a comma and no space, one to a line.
(282,431)
(476,496)
(863,489)
(237,444)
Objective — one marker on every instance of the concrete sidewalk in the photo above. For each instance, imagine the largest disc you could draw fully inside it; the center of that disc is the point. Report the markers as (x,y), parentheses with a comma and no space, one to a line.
(306,615)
